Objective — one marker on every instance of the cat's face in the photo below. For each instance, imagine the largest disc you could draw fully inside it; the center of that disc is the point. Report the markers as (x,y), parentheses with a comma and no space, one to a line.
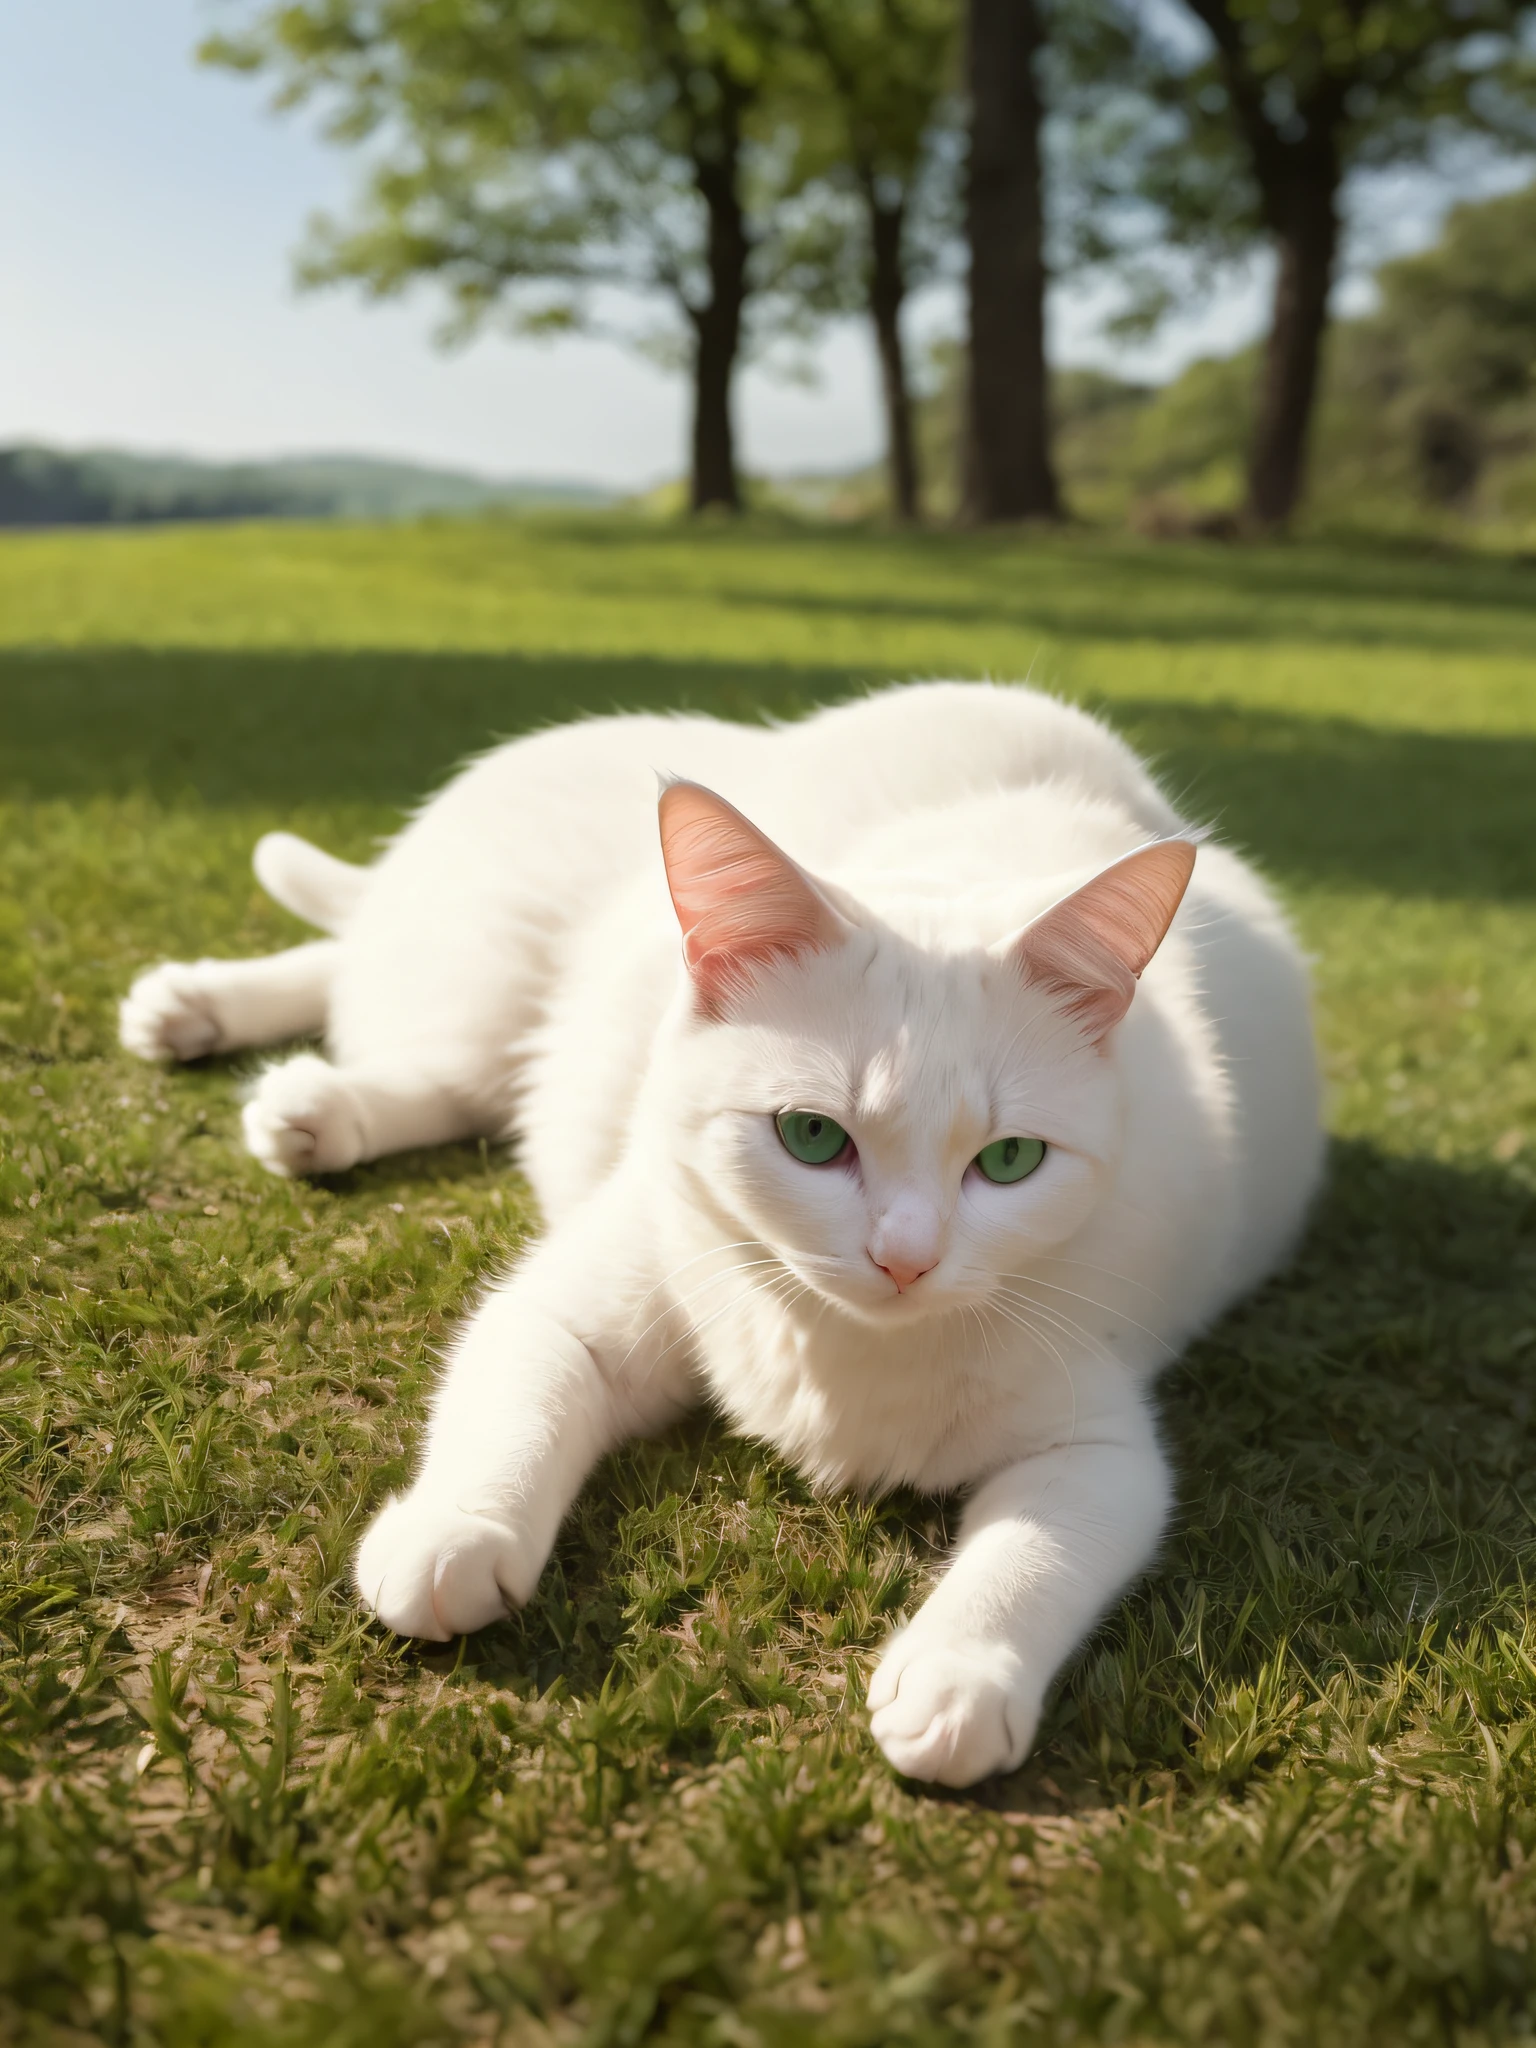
(808,1024)
(930,1066)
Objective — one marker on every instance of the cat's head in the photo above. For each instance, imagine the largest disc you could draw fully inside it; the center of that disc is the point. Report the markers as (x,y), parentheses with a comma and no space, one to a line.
(900,1125)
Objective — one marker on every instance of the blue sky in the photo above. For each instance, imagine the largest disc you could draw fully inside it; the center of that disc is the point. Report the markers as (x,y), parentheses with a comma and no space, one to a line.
(149,213)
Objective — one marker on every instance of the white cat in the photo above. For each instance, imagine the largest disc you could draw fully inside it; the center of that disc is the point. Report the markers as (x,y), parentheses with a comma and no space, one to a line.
(917,1163)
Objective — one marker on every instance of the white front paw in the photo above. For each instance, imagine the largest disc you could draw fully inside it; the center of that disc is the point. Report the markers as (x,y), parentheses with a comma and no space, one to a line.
(952,1709)
(427,1568)
(169,1014)
(303,1118)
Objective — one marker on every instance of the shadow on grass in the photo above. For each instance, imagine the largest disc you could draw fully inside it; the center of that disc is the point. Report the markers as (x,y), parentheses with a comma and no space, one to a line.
(1248,611)
(1332,802)
(1356,1449)
(1317,800)
(1110,587)
(304,729)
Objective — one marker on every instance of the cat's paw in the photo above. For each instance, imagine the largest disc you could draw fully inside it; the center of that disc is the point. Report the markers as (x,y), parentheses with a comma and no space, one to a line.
(952,1710)
(169,1014)
(302,1117)
(427,1568)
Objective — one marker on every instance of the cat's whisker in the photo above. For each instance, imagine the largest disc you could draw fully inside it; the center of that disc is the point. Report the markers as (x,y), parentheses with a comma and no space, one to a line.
(1108,1308)
(681,1303)
(1040,1337)
(742,1244)
(765,1283)
(970,1309)
(829,1259)
(1062,1323)
(1089,1266)
(697,1329)
(1069,1324)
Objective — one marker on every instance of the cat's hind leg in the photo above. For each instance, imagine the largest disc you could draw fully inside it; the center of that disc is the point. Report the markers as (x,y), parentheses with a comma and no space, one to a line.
(308,1116)
(186,1008)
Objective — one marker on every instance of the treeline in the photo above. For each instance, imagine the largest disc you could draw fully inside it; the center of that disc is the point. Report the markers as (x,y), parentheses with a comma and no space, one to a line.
(764,165)
(42,487)
(106,487)
(1425,412)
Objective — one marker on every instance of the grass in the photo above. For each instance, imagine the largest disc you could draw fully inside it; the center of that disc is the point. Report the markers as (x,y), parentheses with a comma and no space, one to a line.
(1288,1792)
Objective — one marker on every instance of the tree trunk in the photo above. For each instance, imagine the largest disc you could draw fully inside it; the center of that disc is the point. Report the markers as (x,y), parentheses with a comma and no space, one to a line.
(1306,228)
(1007,458)
(1297,169)
(887,290)
(717,330)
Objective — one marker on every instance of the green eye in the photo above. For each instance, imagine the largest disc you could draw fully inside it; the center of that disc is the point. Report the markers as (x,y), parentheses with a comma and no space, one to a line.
(1010,1159)
(814,1139)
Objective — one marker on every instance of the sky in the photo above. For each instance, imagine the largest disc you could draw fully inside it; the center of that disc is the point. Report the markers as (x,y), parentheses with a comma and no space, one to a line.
(148,214)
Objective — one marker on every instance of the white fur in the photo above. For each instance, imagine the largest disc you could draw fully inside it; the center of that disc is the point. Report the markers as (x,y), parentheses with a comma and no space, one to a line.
(512,962)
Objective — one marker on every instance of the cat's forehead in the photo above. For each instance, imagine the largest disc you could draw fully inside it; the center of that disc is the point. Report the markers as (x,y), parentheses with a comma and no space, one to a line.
(915,1072)
(906,1037)
(920,1041)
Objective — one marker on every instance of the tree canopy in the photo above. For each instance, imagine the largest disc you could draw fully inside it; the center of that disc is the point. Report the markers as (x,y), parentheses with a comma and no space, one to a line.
(529,154)
(535,157)
(759,166)
(1238,122)
(870,101)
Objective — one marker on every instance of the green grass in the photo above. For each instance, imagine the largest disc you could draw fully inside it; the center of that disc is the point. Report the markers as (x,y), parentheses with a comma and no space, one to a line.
(1287,1793)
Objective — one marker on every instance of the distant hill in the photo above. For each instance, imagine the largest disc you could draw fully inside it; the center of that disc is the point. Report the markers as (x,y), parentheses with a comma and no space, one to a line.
(100,487)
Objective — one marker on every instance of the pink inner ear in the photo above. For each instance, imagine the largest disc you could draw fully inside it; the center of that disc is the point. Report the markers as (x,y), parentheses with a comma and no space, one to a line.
(1092,946)
(739,900)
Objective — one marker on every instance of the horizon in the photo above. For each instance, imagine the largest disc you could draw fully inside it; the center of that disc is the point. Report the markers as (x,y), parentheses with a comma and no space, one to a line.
(276,457)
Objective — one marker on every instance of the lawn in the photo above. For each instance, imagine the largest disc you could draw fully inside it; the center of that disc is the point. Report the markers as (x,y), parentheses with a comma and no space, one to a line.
(1288,1792)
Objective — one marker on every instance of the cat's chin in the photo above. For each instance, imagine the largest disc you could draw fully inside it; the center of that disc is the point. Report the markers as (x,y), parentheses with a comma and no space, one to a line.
(893,1311)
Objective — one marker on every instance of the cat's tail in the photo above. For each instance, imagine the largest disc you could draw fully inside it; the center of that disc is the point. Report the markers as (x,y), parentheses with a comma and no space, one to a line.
(316,886)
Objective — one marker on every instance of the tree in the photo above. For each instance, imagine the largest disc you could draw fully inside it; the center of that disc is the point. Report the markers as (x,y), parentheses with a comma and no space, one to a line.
(1465,310)
(534,152)
(871,130)
(1006,459)
(1449,357)
(1248,131)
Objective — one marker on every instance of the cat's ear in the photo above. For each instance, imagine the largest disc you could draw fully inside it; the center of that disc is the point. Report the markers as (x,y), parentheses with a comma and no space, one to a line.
(739,899)
(1091,947)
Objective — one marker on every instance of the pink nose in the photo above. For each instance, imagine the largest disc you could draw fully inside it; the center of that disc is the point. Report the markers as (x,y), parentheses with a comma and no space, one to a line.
(905,1276)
